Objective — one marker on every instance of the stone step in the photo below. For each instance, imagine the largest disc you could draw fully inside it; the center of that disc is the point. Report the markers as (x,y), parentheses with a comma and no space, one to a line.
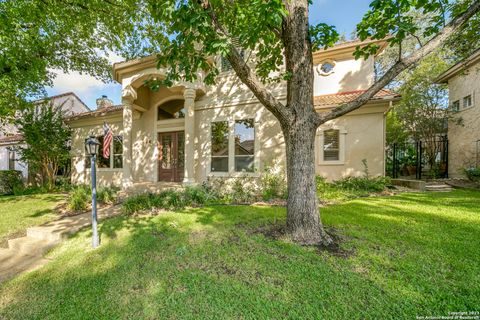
(439,188)
(30,246)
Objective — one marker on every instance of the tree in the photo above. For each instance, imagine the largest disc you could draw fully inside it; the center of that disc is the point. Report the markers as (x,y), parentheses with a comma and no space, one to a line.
(187,34)
(45,138)
(423,112)
(38,37)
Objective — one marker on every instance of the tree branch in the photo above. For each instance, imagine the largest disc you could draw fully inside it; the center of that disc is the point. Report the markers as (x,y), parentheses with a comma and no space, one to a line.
(246,75)
(403,64)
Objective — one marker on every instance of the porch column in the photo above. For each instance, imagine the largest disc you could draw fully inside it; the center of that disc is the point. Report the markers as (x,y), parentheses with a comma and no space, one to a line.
(189,95)
(128,96)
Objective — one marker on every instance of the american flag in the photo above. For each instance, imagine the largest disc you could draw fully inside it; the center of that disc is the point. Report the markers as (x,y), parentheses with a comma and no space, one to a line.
(107,140)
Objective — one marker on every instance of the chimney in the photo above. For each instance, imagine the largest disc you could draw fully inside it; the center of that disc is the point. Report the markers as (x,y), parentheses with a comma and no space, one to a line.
(104,102)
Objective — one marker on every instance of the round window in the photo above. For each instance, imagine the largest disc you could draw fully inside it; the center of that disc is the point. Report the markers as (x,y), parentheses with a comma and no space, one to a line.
(326,68)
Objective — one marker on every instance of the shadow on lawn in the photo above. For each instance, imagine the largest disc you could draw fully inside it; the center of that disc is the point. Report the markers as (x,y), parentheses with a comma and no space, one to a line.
(204,263)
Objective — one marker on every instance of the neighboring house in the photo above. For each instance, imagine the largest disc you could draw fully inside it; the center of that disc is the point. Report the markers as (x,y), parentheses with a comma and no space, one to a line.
(190,132)
(464,126)
(10,137)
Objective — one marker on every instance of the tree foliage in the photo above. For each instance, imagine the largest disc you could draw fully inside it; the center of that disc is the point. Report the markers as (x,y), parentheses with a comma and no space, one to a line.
(45,138)
(187,35)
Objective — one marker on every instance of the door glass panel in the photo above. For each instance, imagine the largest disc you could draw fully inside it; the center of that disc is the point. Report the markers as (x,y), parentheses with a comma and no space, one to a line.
(181,149)
(166,152)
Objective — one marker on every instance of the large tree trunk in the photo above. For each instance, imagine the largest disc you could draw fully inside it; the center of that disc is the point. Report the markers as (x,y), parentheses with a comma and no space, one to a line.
(303,218)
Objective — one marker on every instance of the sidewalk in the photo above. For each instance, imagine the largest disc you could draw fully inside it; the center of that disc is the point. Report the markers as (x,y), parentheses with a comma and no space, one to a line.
(26,253)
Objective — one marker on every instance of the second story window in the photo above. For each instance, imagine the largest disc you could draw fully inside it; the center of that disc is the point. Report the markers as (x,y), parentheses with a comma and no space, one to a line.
(326,68)
(456,106)
(467,101)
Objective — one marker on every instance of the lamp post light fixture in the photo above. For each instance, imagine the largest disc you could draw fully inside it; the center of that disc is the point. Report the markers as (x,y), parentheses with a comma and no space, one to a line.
(91,146)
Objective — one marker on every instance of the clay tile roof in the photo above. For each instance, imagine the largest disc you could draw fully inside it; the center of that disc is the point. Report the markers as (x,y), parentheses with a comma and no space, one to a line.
(11,139)
(96,113)
(345,97)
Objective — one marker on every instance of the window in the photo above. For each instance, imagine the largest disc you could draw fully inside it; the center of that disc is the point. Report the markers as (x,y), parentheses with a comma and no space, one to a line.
(115,161)
(233,146)
(220,132)
(244,145)
(467,101)
(326,67)
(331,145)
(11,160)
(456,106)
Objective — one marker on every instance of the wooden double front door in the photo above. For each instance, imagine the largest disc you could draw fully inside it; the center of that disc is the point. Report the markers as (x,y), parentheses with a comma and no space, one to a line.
(171,156)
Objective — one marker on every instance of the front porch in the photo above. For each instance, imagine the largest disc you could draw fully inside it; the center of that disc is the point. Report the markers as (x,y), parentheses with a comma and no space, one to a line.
(158,128)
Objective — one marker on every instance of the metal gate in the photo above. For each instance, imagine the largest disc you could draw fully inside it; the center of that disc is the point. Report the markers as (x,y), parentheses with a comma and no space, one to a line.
(418,159)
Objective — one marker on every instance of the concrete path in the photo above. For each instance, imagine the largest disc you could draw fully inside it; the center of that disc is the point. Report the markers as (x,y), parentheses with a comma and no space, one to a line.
(26,253)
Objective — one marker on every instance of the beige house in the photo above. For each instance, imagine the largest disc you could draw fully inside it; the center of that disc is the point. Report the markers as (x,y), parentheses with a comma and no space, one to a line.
(190,132)
(464,127)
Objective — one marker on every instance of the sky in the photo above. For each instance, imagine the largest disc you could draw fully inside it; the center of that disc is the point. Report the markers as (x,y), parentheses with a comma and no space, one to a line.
(344,14)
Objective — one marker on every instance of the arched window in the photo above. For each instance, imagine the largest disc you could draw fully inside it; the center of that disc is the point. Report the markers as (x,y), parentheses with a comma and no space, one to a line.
(173,109)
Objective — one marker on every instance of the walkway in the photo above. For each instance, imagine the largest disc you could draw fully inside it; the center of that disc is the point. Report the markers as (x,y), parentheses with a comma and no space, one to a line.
(26,253)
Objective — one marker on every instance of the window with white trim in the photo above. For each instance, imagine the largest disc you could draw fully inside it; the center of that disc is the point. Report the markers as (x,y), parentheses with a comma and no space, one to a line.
(232,146)
(456,106)
(114,161)
(219,139)
(331,145)
(11,160)
(244,145)
(467,101)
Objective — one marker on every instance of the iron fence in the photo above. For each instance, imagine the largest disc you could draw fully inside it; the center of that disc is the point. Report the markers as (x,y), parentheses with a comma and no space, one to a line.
(418,159)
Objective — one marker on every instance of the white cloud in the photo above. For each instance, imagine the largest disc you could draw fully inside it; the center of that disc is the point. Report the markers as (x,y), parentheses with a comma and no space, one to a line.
(74,81)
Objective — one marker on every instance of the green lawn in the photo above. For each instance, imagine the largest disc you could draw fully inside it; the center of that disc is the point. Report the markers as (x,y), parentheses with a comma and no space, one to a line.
(411,255)
(17,213)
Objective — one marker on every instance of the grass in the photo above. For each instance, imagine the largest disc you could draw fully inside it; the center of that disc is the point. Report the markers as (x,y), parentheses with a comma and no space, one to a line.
(17,213)
(412,255)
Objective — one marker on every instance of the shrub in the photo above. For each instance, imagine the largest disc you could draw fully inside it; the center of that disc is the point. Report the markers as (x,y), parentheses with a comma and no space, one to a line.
(10,181)
(376,184)
(79,198)
(107,195)
(137,203)
(473,174)
(273,185)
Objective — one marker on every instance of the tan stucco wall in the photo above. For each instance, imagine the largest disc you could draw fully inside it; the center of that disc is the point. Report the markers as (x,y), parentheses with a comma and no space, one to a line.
(463,137)
(230,99)
(80,173)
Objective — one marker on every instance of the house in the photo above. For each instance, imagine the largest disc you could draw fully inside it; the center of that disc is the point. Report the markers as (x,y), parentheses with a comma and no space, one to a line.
(463,81)
(191,132)
(10,137)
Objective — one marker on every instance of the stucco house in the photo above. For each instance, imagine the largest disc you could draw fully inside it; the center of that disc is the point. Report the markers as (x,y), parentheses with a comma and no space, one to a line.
(190,132)
(464,126)
(69,104)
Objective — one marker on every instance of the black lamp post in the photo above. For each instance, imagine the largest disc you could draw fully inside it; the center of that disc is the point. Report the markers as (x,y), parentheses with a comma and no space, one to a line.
(91,145)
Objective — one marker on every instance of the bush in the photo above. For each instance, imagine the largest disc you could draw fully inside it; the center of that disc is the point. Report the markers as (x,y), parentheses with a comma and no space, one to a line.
(107,195)
(79,198)
(273,185)
(10,181)
(473,174)
(377,184)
